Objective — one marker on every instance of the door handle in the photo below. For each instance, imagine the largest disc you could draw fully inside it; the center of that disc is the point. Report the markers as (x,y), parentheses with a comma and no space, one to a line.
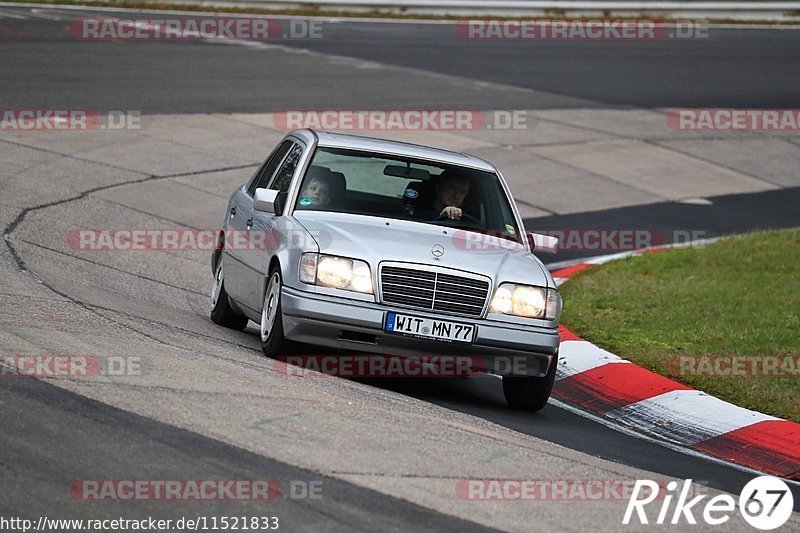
(233,211)
(249,223)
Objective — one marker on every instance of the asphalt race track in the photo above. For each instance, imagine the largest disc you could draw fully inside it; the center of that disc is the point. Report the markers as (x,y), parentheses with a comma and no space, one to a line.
(207,404)
(729,68)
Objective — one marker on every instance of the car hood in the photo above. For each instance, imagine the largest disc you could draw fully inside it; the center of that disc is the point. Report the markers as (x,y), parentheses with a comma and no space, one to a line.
(377,239)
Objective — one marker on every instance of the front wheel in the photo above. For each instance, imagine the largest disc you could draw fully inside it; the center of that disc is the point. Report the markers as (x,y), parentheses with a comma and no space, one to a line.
(530,393)
(221,311)
(273,342)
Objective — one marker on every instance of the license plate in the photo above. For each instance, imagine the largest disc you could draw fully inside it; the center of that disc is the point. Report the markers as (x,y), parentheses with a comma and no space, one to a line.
(428,328)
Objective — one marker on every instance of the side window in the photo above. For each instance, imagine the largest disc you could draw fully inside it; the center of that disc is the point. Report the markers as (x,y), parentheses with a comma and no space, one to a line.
(269,167)
(284,176)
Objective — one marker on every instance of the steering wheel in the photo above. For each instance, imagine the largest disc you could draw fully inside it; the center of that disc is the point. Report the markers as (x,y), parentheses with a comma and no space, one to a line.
(464,217)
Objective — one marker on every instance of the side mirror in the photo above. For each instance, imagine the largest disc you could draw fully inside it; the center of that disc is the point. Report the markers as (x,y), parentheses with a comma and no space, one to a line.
(543,243)
(264,200)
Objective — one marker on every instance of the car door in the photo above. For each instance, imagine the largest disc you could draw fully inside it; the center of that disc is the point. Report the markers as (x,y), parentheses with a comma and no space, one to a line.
(240,212)
(261,237)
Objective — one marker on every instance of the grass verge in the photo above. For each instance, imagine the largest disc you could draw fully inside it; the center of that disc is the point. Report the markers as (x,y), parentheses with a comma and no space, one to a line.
(667,311)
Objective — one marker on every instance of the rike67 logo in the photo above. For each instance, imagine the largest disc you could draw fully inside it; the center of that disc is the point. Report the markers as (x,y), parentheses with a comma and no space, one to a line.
(765,503)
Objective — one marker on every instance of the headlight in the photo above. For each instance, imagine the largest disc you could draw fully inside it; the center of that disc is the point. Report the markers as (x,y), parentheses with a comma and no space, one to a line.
(336,272)
(501,303)
(526,301)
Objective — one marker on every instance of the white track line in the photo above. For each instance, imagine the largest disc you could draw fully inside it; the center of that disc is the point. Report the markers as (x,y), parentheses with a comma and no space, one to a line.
(674,447)
(5,14)
(636,434)
(38,14)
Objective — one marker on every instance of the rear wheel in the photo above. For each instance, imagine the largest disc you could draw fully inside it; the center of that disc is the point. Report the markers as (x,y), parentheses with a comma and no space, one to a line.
(530,393)
(273,342)
(221,311)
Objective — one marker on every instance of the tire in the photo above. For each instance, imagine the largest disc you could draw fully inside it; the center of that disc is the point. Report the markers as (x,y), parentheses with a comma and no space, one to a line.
(273,342)
(221,311)
(530,393)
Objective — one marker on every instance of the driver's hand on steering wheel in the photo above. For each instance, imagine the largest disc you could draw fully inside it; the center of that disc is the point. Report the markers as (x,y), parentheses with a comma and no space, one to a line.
(452,212)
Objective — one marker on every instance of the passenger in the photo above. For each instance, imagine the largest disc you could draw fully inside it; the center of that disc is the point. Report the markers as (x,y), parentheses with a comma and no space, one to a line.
(316,193)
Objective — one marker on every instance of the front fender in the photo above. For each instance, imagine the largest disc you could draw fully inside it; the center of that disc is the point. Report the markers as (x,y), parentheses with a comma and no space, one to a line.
(291,241)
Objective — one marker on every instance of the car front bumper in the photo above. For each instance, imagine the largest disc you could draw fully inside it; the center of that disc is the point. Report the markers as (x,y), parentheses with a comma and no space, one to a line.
(504,349)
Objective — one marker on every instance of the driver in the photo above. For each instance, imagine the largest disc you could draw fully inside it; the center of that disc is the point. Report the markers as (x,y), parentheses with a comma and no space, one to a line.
(451,190)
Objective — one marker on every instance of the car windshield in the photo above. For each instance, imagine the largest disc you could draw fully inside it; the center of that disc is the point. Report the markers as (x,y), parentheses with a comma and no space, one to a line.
(376,184)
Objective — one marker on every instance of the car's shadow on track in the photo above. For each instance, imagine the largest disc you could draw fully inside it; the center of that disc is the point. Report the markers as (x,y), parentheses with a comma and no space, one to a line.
(470,394)
(482,396)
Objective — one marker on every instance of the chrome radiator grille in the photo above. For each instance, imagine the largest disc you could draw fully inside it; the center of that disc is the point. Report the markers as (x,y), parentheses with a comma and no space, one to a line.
(433,290)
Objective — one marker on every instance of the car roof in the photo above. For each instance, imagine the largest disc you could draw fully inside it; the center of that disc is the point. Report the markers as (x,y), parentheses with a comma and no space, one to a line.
(357,142)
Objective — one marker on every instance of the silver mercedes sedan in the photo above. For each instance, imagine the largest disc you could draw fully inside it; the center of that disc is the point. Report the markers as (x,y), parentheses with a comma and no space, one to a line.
(365,245)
